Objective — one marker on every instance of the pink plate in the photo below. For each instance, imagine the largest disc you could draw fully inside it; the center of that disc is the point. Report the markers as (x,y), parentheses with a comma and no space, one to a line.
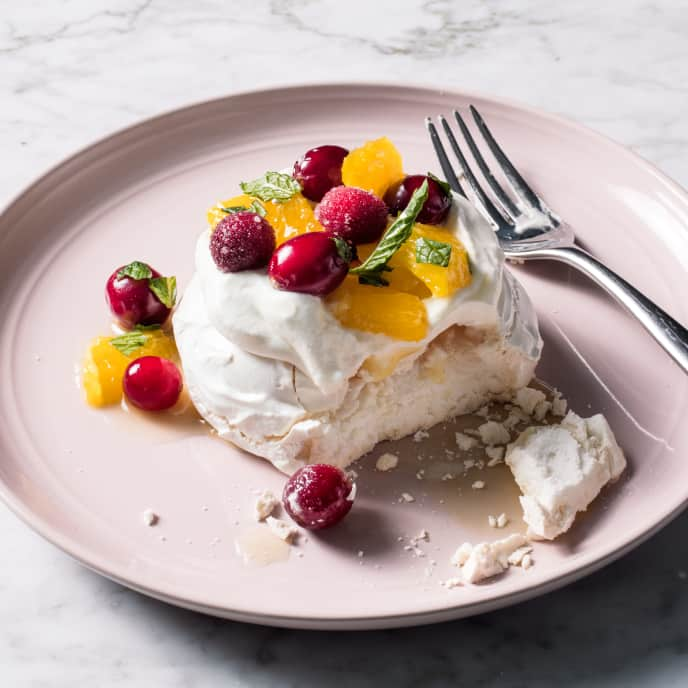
(83,477)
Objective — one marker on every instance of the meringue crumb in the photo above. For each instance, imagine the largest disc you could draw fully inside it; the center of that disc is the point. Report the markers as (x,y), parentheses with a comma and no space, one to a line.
(495,454)
(492,521)
(516,557)
(423,536)
(468,463)
(421,435)
(150,518)
(559,404)
(360,553)
(526,562)
(502,520)
(406,497)
(528,398)
(478,485)
(452,583)
(420,474)
(460,557)
(483,411)
(515,417)
(266,503)
(464,442)
(284,531)
(386,462)
(448,476)
(493,433)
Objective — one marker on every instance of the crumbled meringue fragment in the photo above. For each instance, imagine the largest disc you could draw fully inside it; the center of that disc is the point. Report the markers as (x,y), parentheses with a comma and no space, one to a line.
(282,529)
(386,462)
(486,559)
(266,503)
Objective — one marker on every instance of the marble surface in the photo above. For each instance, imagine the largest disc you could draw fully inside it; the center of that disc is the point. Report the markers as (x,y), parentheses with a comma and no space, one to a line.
(73,71)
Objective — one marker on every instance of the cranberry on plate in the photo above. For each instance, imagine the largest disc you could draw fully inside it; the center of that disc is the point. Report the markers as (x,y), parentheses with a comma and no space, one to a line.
(319,169)
(242,241)
(130,297)
(353,214)
(152,383)
(318,496)
(436,207)
(313,263)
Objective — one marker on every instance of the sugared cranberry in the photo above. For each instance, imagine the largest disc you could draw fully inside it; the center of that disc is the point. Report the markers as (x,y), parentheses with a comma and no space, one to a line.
(152,383)
(318,496)
(132,301)
(353,214)
(435,209)
(314,263)
(242,241)
(319,170)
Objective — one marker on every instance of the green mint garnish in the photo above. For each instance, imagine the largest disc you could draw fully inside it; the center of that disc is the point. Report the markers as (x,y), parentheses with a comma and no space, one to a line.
(446,187)
(343,249)
(165,288)
(146,328)
(433,252)
(136,270)
(272,186)
(255,207)
(129,342)
(258,208)
(397,233)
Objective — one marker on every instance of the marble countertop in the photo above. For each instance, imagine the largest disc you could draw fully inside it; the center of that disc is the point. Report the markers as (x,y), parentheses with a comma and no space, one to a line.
(72,72)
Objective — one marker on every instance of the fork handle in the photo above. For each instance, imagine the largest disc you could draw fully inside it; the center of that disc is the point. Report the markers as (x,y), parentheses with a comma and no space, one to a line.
(669,333)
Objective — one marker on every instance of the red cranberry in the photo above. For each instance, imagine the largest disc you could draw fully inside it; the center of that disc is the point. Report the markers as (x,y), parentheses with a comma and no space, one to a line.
(319,170)
(314,263)
(152,383)
(242,241)
(131,300)
(318,496)
(353,214)
(434,210)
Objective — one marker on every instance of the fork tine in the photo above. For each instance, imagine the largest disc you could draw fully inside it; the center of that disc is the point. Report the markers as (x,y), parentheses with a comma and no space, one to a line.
(496,187)
(447,169)
(515,179)
(481,199)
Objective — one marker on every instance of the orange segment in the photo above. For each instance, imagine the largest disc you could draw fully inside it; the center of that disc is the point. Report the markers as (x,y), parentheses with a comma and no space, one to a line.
(375,166)
(288,219)
(439,280)
(103,367)
(379,309)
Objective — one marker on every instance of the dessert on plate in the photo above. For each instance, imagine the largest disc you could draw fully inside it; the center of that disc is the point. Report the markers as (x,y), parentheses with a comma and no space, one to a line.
(341,304)
(320,372)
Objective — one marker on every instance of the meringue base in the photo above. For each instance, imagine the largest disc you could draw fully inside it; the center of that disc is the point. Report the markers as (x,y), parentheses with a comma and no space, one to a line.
(460,371)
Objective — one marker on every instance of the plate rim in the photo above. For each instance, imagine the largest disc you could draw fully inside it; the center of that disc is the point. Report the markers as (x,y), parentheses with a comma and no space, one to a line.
(75,550)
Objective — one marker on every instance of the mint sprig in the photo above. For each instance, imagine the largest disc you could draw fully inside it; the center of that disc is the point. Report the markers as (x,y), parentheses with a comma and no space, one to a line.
(130,341)
(255,207)
(165,288)
(136,270)
(272,186)
(433,252)
(370,271)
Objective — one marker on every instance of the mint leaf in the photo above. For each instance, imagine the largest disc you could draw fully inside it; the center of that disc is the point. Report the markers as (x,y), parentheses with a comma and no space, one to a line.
(258,208)
(433,252)
(272,186)
(146,328)
(397,233)
(343,249)
(136,270)
(129,342)
(165,288)
(230,210)
(446,187)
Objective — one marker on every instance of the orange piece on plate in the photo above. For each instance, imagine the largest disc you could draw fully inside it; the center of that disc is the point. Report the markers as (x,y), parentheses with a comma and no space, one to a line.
(375,166)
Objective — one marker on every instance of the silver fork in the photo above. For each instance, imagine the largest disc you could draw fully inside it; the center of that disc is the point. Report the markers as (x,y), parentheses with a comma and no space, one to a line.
(527,229)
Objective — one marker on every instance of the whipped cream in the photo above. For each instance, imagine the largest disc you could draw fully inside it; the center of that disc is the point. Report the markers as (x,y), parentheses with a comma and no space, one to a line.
(259,361)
